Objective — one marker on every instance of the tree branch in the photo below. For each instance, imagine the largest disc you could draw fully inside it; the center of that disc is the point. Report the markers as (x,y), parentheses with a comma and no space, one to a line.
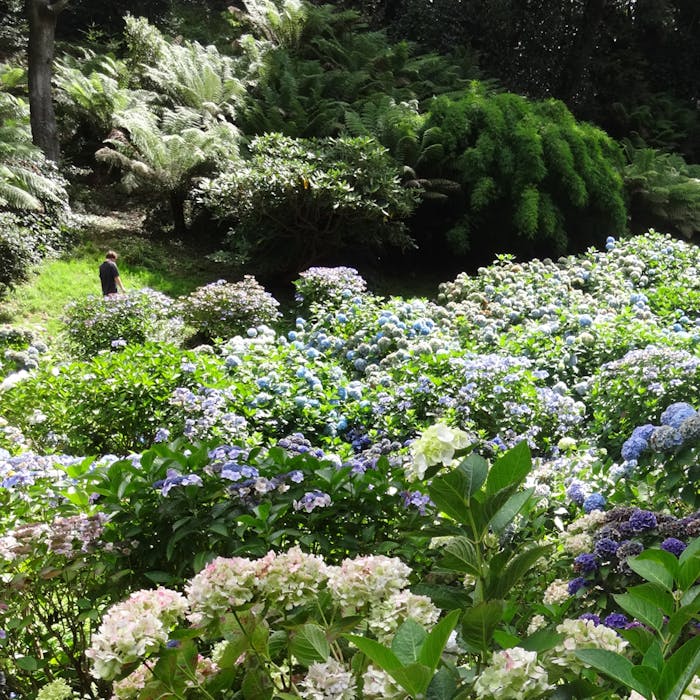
(58,6)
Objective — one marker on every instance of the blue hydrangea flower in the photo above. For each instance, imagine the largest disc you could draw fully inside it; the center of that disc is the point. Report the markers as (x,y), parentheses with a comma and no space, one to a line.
(596,501)
(595,619)
(633,447)
(665,438)
(673,545)
(676,413)
(576,492)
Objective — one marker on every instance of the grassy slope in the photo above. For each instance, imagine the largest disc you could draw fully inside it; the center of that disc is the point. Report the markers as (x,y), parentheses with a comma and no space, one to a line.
(40,302)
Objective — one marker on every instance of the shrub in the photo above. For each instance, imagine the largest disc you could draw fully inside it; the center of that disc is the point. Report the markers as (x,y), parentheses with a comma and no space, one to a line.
(328,286)
(223,309)
(113,403)
(298,201)
(529,170)
(111,322)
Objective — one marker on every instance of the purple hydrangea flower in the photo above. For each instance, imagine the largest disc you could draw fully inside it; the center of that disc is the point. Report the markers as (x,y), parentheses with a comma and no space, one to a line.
(616,621)
(596,501)
(642,520)
(585,563)
(575,585)
(673,545)
(416,499)
(606,548)
(595,619)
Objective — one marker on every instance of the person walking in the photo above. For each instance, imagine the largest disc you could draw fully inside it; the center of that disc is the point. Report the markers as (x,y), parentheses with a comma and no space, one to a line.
(109,275)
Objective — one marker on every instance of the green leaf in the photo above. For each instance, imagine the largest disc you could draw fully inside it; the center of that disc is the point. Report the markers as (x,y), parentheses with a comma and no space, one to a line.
(656,566)
(518,566)
(257,685)
(442,686)
(475,468)
(688,570)
(309,644)
(505,514)
(656,595)
(506,640)
(542,640)
(684,615)
(691,551)
(511,469)
(479,622)
(679,670)
(641,609)
(407,641)
(376,652)
(460,555)
(449,494)
(612,665)
(27,663)
(654,657)
(647,676)
(414,678)
(434,643)
(639,637)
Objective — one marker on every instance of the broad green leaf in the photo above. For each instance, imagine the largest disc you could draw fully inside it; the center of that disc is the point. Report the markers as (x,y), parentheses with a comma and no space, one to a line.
(510,469)
(656,566)
(434,644)
(479,622)
(681,618)
(679,670)
(257,685)
(639,637)
(514,505)
(376,652)
(612,665)
(647,676)
(460,555)
(654,657)
(407,641)
(506,640)
(309,644)
(442,686)
(691,551)
(475,468)
(542,640)
(449,494)
(689,571)
(656,595)
(414,678)
(641,609)
(27,663)
(515,570)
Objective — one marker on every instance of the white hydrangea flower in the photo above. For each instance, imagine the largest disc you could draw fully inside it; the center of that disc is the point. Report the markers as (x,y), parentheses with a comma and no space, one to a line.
(134,628)
(537,623)
(364,581)
(583,634)
(220,586)
(387,616)
(437,445)
(328,681)
(512,674)
(379,685)
(291,578)
(557,592)
(578,543)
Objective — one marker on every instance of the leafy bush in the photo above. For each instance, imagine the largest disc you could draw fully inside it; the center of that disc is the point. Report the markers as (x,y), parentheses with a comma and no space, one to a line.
(112,403)
(299,201)
(224,309)
(114,321)
(528,169)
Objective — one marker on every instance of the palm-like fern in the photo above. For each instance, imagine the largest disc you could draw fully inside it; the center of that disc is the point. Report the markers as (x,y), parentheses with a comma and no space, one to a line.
(164,162)
(664,190)
(26,182)
(192,75)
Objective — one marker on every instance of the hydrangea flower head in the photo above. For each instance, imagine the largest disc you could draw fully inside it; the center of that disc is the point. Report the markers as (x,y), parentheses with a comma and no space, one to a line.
(596,501)
(437,445)
(512,674)
(673,545)
(676,413)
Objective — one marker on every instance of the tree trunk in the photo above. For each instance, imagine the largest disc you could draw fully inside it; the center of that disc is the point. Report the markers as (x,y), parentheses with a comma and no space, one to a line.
(42,28)
(177,207)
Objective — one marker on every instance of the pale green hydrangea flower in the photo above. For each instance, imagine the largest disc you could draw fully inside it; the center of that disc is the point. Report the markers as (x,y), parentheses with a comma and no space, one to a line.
(437,445)
(513,674)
